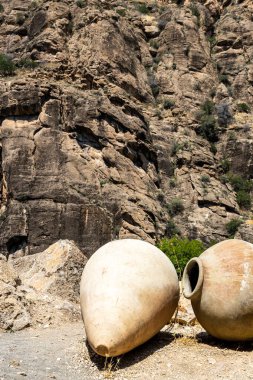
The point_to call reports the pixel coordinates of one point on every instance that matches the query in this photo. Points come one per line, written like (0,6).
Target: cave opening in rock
(16,243)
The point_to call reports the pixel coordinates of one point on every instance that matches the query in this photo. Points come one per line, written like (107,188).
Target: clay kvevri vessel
(129,291)
(220,285)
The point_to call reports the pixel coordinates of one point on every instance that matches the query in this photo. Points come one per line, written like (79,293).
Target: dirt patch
(181,352)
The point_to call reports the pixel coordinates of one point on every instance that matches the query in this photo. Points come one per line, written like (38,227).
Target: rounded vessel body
(220,285)
(129,291)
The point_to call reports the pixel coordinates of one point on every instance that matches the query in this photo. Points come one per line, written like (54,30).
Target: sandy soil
(181,353)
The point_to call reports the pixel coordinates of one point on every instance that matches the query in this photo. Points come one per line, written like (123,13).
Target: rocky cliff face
(124,120)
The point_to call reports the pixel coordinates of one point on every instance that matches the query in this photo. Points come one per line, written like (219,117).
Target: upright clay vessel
(220,285)
(129,291)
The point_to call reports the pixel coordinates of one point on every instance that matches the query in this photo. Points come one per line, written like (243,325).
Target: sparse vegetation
(142,8)
(232,226)
(242,187)
(1,8)
(239,183)
(223,78)
(154,85)
(224,115)
(171,229)
(205,179)
(121,12)
(81,3)
(20,18)
(243,199)
(243,107)
(175,207)
(208,127)
(225,165)
(212,41)
(27,63)
(7,67)
(154,44)
(197,86)
(213,148)
(180,251)
(231,136)
(173,182)
(195,12)
(168,104)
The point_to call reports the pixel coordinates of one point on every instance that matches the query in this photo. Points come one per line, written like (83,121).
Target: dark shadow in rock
(134,356)
(205,338)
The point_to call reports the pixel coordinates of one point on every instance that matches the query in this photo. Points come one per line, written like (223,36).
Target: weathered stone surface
(42,288)
(93,138)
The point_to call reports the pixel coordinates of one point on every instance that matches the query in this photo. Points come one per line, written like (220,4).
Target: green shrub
(175,206)
(243,199)
(171,229)
(180,251)
(121,12)
(223,78)
(239,183)
(176,147)
(233,226)
(142,8)
(208,127)
(7,67)
(81,3)
(168,104)
(225,164)
(1,8)
(205,179)
(207,107)
(243,107)
(27,63)
(154,44)
(212,41)
(213,148)
(173,182)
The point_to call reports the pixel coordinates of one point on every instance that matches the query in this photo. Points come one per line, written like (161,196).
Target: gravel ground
(62,353)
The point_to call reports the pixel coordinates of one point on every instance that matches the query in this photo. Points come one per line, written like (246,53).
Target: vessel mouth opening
(192,277)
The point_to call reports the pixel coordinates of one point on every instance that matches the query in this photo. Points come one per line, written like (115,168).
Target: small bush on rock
(142,8)
(7,67)
(233,226)
(243,107)
(180,251)
(27,63)
(171,229)
(175,206)
(1,8)
(168,104)
(243,199)
(81,3)
(208,127)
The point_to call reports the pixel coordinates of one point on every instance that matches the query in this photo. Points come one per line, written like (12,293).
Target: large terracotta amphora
(220,285)
(129,291)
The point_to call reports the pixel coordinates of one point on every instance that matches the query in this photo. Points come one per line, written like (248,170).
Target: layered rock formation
(41,289)
(130,109)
